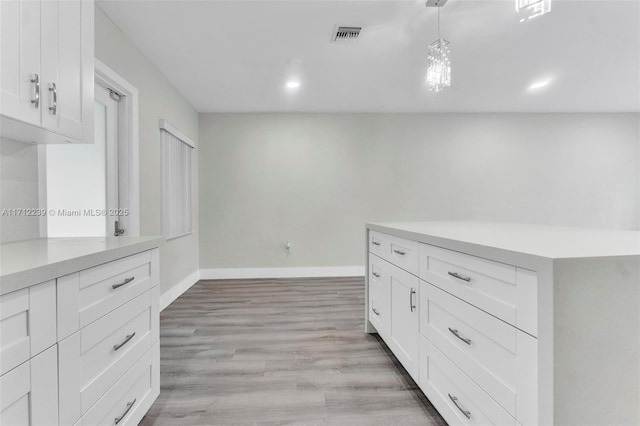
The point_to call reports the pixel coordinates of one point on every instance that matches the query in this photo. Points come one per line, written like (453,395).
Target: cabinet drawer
(27,324)
(398,251)
(504,291)
(92,293)
(29,392)
(94,358)
(130,398)
(378,243)
(456,397)
(484,347)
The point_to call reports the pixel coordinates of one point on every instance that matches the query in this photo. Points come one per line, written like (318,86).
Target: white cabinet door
(20,59)
(404,319)
(29,392)
(46,70)
(27,324)
(67,68)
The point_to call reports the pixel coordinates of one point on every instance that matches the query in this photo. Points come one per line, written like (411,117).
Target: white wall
(76,182)
(315,179)
(18,190)
(157,99)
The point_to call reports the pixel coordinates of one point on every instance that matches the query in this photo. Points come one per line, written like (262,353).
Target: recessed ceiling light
(293,84)
(539,85)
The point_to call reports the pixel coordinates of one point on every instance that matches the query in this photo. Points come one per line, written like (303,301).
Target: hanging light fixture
(439,69)
(529,9)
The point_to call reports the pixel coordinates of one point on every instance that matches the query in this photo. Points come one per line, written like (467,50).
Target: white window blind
(176,181)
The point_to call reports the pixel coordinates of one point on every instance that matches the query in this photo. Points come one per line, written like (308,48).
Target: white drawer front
(398,251)
(489,285)
(27,324)
(456,397)
(92,364)
(130,398)
(404,253)
(92,293)
(379,297)
(378,243)
(481,345)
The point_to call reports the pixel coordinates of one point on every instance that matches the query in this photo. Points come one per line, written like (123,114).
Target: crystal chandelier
(439,70)
(529,9)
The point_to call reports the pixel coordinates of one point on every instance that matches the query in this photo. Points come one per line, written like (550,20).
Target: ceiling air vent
(346,33)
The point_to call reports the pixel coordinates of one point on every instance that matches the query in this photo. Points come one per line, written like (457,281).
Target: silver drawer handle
(411,305)
(375,243)
(125,341)
(375,274)
(36,101)
(54,107)
(400,252)
(455,333)
(375,311)
(129,405)
(458,276)
(126,281)
(466,413)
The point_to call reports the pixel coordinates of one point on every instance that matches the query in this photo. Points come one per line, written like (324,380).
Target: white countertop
(549,242)
(25,263)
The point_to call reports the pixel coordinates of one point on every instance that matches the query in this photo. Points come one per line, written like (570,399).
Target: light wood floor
(273,352)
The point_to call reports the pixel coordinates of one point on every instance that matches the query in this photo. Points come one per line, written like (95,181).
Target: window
(176,181)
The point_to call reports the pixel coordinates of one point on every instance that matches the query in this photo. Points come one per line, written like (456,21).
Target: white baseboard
(174,292)
(299,272)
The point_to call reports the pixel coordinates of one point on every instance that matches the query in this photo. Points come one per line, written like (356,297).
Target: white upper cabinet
(47,70)
(20,60)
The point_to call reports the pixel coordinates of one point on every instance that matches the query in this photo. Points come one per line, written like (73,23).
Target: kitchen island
(509,323)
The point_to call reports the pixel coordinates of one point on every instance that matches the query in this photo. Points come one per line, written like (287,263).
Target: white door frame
(128,136)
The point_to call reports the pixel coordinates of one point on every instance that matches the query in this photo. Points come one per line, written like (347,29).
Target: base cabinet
(518,324)
(83,348)
(472,362)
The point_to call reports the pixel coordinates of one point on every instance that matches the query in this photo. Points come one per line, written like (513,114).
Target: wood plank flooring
(276,352)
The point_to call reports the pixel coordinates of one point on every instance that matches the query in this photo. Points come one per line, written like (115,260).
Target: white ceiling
(235,55)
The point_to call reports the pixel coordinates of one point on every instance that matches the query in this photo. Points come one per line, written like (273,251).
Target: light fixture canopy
(439,70)
(529,9)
